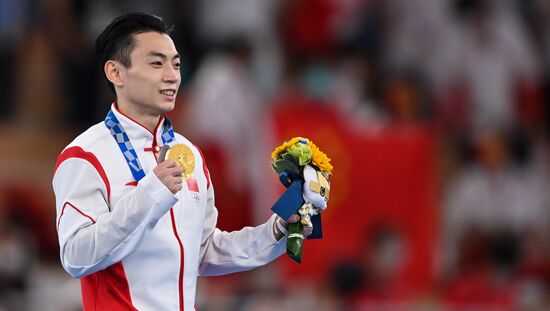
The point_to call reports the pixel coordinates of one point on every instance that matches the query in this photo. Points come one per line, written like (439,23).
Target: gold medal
(184,158)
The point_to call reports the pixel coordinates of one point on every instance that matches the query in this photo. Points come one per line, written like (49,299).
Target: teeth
(168,92)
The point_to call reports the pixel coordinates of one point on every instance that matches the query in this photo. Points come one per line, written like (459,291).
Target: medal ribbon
(120,136)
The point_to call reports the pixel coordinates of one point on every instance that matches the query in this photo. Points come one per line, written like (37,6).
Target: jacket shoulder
(92,138)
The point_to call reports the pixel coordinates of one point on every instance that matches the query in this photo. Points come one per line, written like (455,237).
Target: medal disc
(184,158)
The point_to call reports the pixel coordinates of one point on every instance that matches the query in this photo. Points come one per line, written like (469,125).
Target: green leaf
(290,157)
(281,165)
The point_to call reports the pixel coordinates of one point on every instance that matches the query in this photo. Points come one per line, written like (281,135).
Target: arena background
(435,114)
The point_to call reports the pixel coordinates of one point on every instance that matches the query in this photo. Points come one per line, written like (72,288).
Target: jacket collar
(139,135)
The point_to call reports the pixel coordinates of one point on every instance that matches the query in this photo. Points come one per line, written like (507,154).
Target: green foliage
(302,152)
(287,163)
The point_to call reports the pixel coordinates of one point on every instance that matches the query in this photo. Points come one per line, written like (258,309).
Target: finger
(176,171)
(294,218)
(175,189)
(169,163)
(308,231)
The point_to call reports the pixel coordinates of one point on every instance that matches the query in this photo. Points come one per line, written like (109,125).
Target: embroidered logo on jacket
(193,187)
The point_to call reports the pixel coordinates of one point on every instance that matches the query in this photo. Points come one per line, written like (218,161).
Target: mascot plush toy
(304,170)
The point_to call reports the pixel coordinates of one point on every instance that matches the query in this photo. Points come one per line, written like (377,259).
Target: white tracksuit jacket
(136,246)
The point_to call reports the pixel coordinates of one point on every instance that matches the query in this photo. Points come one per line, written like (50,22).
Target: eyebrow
(162,55)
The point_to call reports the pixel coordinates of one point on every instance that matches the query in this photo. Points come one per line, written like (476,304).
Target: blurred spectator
(496,56)
(487,274)
(371,67)
(415,33)
(375,281)
(220,21)
(16,258)
(355,86)
(306,27)
(383,262)
(13,24)
(405,98)
(226,113)
(78,73)
(493,209)
(23,201)
(502,189)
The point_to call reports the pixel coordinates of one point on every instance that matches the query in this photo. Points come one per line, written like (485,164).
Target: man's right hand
(170,175)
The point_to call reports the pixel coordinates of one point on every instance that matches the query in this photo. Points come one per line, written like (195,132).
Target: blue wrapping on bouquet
(292,200)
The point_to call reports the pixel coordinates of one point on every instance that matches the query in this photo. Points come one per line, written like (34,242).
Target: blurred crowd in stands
(450,98)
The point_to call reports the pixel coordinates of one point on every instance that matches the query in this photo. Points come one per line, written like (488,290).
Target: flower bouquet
(304,170)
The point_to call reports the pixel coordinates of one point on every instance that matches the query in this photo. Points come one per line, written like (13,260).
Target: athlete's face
(151,82)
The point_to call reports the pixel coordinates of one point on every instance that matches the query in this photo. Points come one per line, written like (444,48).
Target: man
(135,231)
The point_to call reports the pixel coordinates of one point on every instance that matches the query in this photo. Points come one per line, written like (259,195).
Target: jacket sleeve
(228,252)
(94,234)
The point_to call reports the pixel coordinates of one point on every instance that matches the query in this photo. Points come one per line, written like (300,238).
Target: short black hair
(116,41)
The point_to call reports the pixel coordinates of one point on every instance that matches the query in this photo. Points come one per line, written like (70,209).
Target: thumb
(162,153)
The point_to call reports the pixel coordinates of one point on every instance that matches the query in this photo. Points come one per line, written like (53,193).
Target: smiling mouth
(168,92)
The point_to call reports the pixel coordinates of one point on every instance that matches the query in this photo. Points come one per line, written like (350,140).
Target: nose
(171,75)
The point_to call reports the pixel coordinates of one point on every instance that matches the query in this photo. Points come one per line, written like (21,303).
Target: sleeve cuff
(158,192)
(270,224)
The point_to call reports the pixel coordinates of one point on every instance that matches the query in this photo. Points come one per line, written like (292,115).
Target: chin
(167,106)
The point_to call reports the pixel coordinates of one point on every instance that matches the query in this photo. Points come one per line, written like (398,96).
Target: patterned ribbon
(120,136)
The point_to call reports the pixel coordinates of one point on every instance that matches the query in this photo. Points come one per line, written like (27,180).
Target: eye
(156,64)
(177,66)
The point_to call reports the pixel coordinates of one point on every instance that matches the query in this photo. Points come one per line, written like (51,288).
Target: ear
(113,72)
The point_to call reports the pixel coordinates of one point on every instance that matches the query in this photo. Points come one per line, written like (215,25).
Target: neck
(148,120)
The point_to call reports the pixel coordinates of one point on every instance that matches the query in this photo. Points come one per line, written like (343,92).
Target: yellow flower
(285,146)
(318,158)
